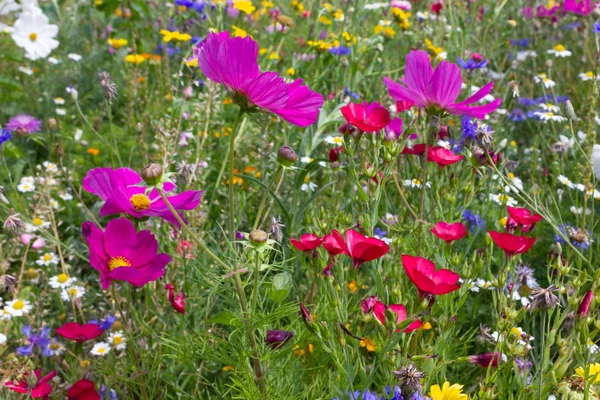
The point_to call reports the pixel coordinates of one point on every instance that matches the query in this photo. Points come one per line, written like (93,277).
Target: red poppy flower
(307,242)
(400,311)
(332,246)
(79,333)
(368,118)
(442,156)
(512,244)
(417,149)
(177,302)
(449,232)
(83,389)
(361,248)
(523,217)
(42,388)
(422,273)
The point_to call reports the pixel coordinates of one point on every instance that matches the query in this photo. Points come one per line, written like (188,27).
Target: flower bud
(258,237)
(286,156)
(570,110)
(305,314)
(584,306)
(152,173)
(277,338)
(52,124)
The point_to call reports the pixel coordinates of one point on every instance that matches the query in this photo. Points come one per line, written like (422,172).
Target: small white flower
(56,347)
(72,293)
(74,57)
(559,51)
(306,160)
(2,338)
(549,107)
(61,111)
(543,78)
(336,140)
(565,181)
(26,70)
(548,116)
(59,101)
(61,281)
(78,134)
(445,144)
(66,196)
(25,187)
(51,167)
(53,61)
(17,307)
(48,259)
(5,314)
(310,186)
(587,76)
(566,141)
(503,199)
(100,349)
(415,183)
(117,340)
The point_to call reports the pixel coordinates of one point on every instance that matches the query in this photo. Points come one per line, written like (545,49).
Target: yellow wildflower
(368,344)
(174,36)
(117,43)
(593,373)
(447,392)
(324,20)
(239,32)
(135,59)
(291,71)
(244,6)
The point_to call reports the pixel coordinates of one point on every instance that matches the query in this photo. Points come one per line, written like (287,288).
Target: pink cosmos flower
(437,90)
(367,117)
(121,195)
(449,232)
(393,131)
(583,7)
(122,254)
(233,63)
(23,124)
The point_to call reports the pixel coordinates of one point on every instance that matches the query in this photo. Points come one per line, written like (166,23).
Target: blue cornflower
(520,42)
(339,50)
(578,237)
(561,99)
(347,92)
(517,115)
(170,50)
(184,3)
(524,101)
(5,135)
(471,64)
(596,27)
(380,232)
(476,223)
(40,340)
(104,392)
(106,323)
(469,128)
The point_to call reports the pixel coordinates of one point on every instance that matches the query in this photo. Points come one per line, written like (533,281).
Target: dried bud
(286,156)
(13,223)
(152,173)
(570,110)
(285,20)
(410,378)
(52,124)
(543,298)
(584,306)
(258,237)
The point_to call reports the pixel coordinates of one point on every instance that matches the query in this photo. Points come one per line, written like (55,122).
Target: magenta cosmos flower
(23,124)
(437,90)
(233,63)
(118,189)
(122,254)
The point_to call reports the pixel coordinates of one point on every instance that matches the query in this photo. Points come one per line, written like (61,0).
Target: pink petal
(445,84)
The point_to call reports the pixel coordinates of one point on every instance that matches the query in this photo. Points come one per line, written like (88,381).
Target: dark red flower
(367,117)
(79,333)
(422,273)
(403,105)
(379,312)
(83,389)
(334,154)
(523,217)
(417,149)
(584,306)
(307,242)
(442,156)
(277,338)
(361,248)
(42,388)
(449,232)
(177,302)
(487,359)
(305,314)
(512,244)
(368,303)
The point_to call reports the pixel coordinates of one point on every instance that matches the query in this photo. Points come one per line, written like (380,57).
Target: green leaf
(280,287)
(226,318)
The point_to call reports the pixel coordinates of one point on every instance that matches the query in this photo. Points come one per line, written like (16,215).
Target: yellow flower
(351,285)
(274,56)
(244,6)
(426,326)
(239,32)
(229,368)
(401,17)
(175,36)
(135,59)
(93,151)
(296,5)
(324,20)
(192,63)
(117,43)
(502,221)
(593,372)
(291,71)
(435,50)
(447,392)
(389,32)
(368,344)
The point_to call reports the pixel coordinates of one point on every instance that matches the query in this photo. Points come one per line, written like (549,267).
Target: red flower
(584,306)
(307,242)
(368,118)
(368,303)
(442,156)
(79,333)
(400,311)
(417,149)
(42,388)
(177,302)
(403,105)
(361,248)
(449,232)
(523,217)
(334,154)
(305,314)
(332,246)
(487,359)
(422,273)
(512,244)
(83,389)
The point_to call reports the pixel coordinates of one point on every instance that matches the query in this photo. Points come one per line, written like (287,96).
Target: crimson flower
(177,302)
(512,244)
(417,149)
(83,389)
(332,246)
(442,156)
(277,338)
(79,333)
(523,217)
(379,312)
(488,359)
(368,303)
(307,242)
(367,117)
(422,273)
(361,248)
(378,308)
(403,105)
(449,232)
(42,388)
(305,313)
(584,306)
(400,311)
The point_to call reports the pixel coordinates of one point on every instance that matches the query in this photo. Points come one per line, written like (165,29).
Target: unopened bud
(152,173)
(570,111)
(258,237)
(286,156)
(52,124)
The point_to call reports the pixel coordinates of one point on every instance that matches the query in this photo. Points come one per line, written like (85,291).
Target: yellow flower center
(117,340)
(37,221)
(140,202)
(72,292)
(54,346)
(18,305)
(338,140)
(33,37)
(549,115)
(117,262)
(47,257)
(559,48)
(101,350)
(416,182)
(590,74)
(62,278)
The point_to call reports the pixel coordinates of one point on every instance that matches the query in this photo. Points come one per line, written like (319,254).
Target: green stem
(543,344)
(234,132)
(265,195)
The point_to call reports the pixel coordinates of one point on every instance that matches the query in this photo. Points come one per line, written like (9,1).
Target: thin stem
(265,195)
(234,132)
(23,262)
(543,344)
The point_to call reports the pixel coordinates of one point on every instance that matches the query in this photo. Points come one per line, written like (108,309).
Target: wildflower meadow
(255,199)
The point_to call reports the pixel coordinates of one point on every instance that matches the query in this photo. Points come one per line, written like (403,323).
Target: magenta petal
(144,249)
(418,71)
(445,84)
(119,237)
(142,275)
(401,93)
(478,112)
(268,91)
(302,107)
(480,94)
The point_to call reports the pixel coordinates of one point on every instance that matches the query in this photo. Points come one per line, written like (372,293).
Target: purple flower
(476,223)
(393,130)
(40,340)
(517,115)
(471,63)
(107,323)
(23,124)
(5,135)
(277,338)
(340,50)
(122,254)
(118,188)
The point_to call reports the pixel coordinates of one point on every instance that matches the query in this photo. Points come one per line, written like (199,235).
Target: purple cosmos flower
(40,340)
(121,254)
(233,63)
(118,189)
(437,90)
(393,131)
(23,124)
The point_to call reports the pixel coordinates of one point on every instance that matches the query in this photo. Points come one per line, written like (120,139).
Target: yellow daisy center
(117,340)
(47,257)
(33,37)
(416,182)
(72,292)
(117,262)
(590,74)
(549,115)
(62,278)
(101,350)
(559,47)
(140,202)
(18,305)
(37,221)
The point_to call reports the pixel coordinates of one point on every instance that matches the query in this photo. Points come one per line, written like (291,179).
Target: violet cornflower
(23,124)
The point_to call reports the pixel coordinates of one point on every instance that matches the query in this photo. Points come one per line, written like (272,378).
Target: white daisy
(549,107)
(47,259)
(72,293)
(61,281)
(336,140)
(74,57)
(32,32)
(587,76)
(25,187)
(56,347)
(53,61)
(548,116)
(66,196)
(306,160)
(310,186)
(503,199)
(117,340)
(18,308)
(5,314)
(415,183)
(26,70)
(515,183)
(51,167)
(543,78)
(100,349)
(61,111)
(2,338)
(565,181)
(559,51)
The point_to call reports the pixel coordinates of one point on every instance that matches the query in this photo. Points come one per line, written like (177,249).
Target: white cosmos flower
(33,33)
(8,6)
